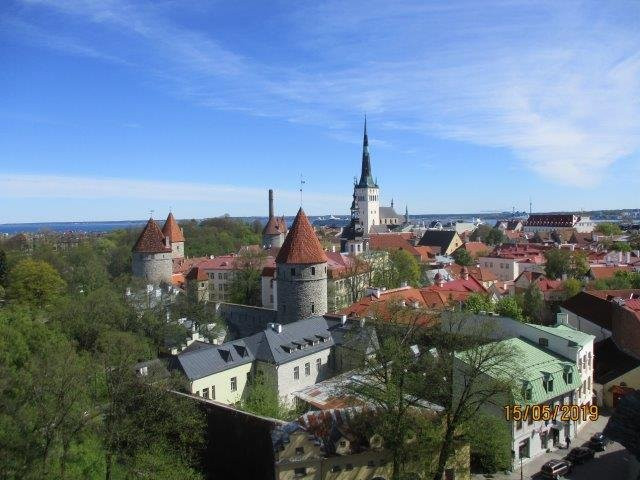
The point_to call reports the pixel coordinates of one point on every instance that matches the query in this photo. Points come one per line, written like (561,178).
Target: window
(313,270)
(519,425)
(343,443)
(296,373)
(220,276)
(299,450)
(205,392)
(213,392)
(371,464)
(568,376)
(248,377)
(313,307)
(300,472)
(220,287)
(293,272)
(349,466)
(336,468)
(548,383)
(307,369)
(544,342)
(318,364)
(234,384)
(198,392)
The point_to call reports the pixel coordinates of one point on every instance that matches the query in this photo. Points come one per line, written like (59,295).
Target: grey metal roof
(278,348)
(204,361)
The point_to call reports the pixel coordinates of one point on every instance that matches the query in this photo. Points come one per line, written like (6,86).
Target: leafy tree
(262,399)
(561,262)
(462,257)
(533,303)
(490,444)
(34,283)
(463,388)
(572,286)
(4,267)
(478,302)
(480,233)
(607,228)
(245,287)
(495,237)
(510,307)
(400,267)
(621,247)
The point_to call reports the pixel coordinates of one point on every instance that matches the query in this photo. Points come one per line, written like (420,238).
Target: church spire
(366,179)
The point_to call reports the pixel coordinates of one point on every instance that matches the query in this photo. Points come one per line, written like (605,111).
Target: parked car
(598,442)
(555,468)
(580,455)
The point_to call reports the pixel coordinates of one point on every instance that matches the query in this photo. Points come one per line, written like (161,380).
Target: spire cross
(151,213)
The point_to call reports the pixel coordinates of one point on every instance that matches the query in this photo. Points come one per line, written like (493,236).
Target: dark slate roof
(366,179)
(437,238)
(204,361)
(611,362)
(352,231)
(389,212)
(591,307)
(298,339)
(352,335)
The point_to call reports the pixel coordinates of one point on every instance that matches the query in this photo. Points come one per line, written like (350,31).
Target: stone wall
(302,291)
(244,320)
(155,268)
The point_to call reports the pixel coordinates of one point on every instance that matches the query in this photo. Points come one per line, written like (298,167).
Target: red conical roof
(172,230)
(151,240)
(301,245)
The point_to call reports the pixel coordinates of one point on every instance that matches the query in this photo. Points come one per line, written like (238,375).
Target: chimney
(270,203)
(362,322)
(333,248)
(276,327)
(562,319)
(403,303)
(343,319)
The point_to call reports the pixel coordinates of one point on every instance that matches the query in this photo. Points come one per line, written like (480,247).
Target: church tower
(301,278)
(366,190)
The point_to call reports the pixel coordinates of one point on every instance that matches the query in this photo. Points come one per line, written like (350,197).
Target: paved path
(615,463)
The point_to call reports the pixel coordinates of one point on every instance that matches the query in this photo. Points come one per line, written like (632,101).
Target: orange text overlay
(564,413)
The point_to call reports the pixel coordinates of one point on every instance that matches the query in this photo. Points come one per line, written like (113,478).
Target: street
(614,463)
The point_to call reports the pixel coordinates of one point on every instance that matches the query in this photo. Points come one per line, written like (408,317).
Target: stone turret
(152,256)
(173,231)
(301,275)
(275,230)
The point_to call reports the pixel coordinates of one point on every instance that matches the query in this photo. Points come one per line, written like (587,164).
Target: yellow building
(616,373)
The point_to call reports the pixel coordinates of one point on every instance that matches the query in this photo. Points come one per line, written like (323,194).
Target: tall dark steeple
(366,179)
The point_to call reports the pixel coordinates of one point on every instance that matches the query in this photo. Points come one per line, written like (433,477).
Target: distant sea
(103,227)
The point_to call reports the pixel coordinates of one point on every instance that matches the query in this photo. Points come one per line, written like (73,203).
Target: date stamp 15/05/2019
(563,413)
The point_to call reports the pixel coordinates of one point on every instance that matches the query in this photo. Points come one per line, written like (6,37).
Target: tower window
(313,270)
(293,272)
(313,307)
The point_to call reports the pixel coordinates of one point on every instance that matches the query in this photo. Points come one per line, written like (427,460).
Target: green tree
(245,287)
(480,233)
(34,283)
(4,267)
(262,399)
(490,444)
(509,306)
(533,303)
(495,237)
(621,247)
(572,286)
(558,262)
(478,302)
(462,257)
(607,228)
(400,267)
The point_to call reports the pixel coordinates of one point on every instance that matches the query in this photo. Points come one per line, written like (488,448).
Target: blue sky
(111,108)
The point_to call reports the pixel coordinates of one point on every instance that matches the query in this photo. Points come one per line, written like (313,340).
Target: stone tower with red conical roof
(301,278)
(172,230)
(152,257)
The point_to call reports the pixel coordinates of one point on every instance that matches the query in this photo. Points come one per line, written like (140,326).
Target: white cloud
(226,197)
(558,84)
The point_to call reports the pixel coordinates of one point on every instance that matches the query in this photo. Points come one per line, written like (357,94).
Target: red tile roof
(172,230)
(151,240)
(197,274)
(400,241)
(476,248)
(301,245)
(479,273)
(275,226)
(607,272)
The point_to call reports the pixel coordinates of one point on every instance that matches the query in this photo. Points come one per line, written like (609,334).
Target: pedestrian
(568,440)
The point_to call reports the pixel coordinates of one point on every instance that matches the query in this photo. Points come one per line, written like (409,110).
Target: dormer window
(527,391)
(544,342)
(567,376)
(547,383)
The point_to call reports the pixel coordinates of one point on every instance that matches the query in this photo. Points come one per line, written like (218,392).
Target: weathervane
(151,213)
(302,182)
